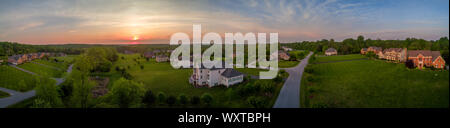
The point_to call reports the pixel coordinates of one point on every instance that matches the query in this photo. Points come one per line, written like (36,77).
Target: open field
(373,84)
(320,59)
(42,70)
(161,77)
(4,94)
(10,78)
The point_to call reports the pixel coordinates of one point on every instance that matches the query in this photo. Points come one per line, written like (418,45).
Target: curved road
(20,96)
(289,96)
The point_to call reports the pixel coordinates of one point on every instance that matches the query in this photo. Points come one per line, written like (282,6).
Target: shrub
(149,98)
(171,100)
(161,97)
(195,100)
(257,102)
(183,99)
(207,98)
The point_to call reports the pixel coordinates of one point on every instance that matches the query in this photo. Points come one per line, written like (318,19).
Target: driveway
(289,96)
(16,96)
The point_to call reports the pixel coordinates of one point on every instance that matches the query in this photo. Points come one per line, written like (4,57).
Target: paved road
(19,96)
(289,96)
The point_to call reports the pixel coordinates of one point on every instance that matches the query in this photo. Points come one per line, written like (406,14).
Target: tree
(126,93)
(207,99)
(40,103)
(149,98)
(161,97)
(183,99)
(171,100)
(371,55)
(47,91)
(195,100)
(82,89)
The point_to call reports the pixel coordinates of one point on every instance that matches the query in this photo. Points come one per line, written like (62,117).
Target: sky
(154,21)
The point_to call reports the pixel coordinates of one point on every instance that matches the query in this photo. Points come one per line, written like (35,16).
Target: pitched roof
(162,56)
(331,50)
(229,72)
(376,48)
(393,50)
(417,52)
(435,54)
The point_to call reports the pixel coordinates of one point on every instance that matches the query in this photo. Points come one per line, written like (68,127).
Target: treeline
(353,46)
(11,48)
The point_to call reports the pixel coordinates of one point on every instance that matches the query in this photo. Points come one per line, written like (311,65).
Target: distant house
(426,58)
(149,54)
(282,55)
(162,58)
(363,51)
(128,52)
(215,76)
(18,59)
(394,54)
(374,49)
(286,49)
(156,51)
(331,51)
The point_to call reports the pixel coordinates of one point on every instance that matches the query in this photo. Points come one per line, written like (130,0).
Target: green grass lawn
(161,77)
(251,71)
(4,94)
(287,64)
(338,58)
(41,70)
(10,78)
(373,84)
(59,65)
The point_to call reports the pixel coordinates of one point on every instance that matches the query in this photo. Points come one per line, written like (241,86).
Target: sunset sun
(135,37)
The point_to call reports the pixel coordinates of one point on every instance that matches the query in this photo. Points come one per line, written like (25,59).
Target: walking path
(16,96)
(289,96)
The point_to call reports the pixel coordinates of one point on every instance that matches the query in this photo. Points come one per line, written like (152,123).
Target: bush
(142,67)
(126,93)
(257,102)
(161,97)
(195,100)
(207,99)
(183,99)
(171,100)
(149,98)
(310,78)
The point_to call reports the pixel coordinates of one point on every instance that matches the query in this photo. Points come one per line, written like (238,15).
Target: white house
(286,48)
(215,76)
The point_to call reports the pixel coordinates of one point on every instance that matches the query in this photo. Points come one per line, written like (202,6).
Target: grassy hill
(11,77)
(372,83)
